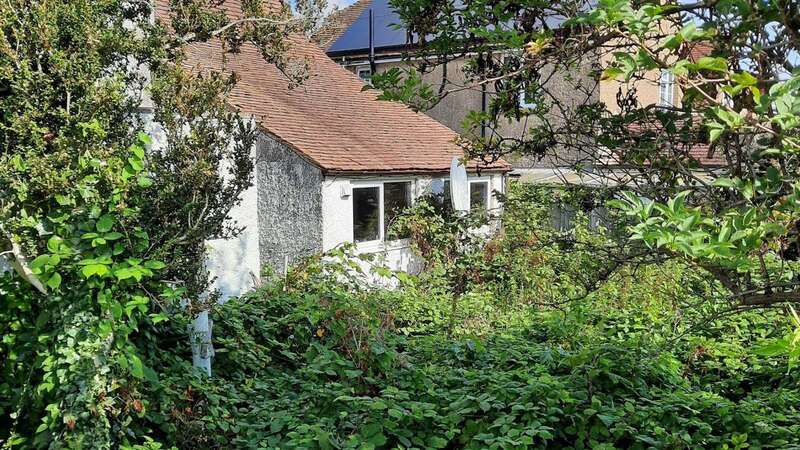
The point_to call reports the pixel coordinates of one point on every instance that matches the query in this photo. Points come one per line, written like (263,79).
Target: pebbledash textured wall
(289,205)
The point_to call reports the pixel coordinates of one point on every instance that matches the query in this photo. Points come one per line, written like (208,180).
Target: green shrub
(317,362)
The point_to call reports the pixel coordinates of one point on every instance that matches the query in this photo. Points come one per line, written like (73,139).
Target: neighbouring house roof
(339,22)
(696,50)
(689,141)
(347,31)
(355,37)
(329,119)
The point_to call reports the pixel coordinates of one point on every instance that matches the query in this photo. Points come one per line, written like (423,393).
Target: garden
(670,323)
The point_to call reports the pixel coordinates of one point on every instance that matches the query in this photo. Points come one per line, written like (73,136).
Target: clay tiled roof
(338,22)
(233,8)
(696,50)
(328,119)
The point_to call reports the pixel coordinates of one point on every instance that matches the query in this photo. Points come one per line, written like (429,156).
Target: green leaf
(105,223)
(136,164)
(64,200)
(774,348)
(137,151)
(744,79)
(606,419)
(160,317)
(378,440)
(144,138)
(712,63)
(39,262)
(611,73)
(729,118)
(724,182)
(627,65)
(144,181)
(437,442)
(154,265)
(137,368)
(53,244)
(55,281)
(94,269)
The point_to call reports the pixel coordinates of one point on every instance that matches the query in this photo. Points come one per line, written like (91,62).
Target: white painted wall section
(234,264)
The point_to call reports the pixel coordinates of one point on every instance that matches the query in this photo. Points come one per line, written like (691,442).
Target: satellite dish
(459,185)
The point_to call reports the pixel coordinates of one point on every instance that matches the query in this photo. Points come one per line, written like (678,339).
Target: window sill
(382,246)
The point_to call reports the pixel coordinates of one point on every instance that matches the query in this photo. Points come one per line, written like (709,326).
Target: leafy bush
(322,359)
(318,362)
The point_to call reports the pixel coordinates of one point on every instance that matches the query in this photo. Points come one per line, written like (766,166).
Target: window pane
(365,74)
(396,198)
(440,188)
(478,195)
(526,99)
(366,214)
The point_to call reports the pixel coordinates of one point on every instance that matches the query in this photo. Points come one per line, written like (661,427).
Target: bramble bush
(319,360)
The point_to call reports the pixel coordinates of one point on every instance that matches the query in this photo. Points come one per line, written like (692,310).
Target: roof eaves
(411,171)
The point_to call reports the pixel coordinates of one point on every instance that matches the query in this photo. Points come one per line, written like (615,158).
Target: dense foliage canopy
(319,361)
(739,104)
(509,342)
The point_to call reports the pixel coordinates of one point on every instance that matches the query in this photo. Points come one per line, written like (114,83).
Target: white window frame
(361,69)
(523,103)
(381,209)
(666,88)
(471,181)
(488,182)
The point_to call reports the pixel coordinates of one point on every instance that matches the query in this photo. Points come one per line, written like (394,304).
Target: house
(345,38)
(332,165)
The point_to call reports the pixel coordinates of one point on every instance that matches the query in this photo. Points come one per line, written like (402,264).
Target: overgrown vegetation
(711,175)
(319,361)
(527,339)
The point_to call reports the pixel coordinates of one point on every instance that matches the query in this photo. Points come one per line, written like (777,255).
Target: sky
(337,3)
(341,3)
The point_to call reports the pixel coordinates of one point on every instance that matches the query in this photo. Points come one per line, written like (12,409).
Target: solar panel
(356,37)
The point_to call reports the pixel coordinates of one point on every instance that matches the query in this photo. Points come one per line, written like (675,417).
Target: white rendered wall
(234,263)
(337,224)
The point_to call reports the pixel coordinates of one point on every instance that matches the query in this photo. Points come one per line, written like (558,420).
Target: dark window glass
(366,214)
(365,75)
(396,198)
(478,195)
(441,194)
(562,217)
(447,203)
